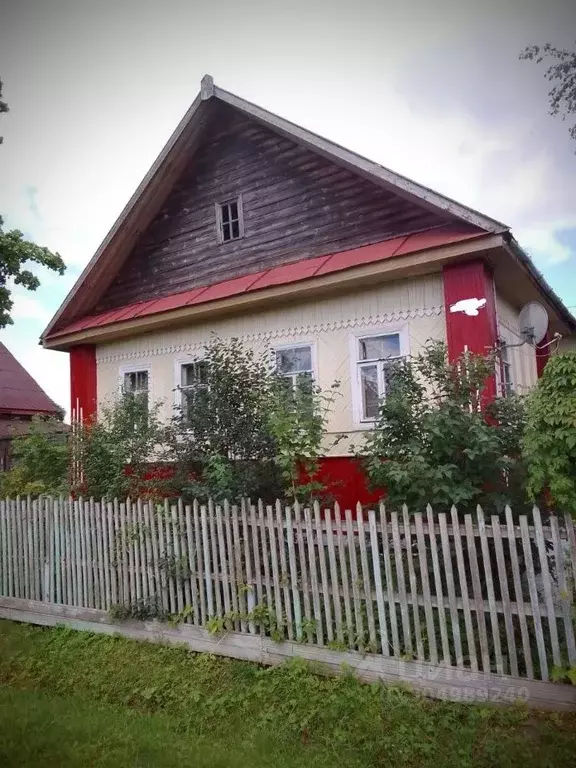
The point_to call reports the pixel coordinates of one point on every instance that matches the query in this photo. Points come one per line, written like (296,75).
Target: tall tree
(15,253)
(561,71)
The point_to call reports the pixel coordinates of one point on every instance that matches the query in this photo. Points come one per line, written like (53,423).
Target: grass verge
(105,700)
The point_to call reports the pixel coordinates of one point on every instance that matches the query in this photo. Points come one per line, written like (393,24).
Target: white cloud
(29,308)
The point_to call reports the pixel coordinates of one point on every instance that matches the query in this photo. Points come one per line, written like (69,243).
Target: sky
(434,91)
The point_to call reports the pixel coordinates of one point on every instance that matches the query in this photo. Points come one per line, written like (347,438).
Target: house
(21,398)
(250,226)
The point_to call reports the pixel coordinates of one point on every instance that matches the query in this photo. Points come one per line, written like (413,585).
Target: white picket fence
(490,595)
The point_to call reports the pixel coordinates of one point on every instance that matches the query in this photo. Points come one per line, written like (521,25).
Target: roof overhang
(396,267)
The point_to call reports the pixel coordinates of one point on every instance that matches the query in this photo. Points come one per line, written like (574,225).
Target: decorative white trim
(402,330)
(278,333)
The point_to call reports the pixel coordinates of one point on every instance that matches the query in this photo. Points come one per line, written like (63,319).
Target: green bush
(549,442)
(435,442)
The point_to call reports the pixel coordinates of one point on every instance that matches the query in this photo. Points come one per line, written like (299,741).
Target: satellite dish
(533,322)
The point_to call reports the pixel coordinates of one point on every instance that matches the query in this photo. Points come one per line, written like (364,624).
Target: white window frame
(506,363)
(220,223)
(135,368)
(297,345)
(178,376)
(356,364)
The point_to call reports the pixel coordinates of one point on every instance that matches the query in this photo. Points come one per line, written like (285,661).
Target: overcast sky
(433,90)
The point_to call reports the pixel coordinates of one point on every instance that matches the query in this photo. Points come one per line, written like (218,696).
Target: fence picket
(454,617)
(249,584)
(518,594)
(268,601)
(199,550)
(547,585)
(290,534)
(324,574)
(304,574)
(571,534)
(93,553)
(438,586)
(28,547)
(169,560)
(319,631)
(564,591)
(20,564)
(206,559)
(275,569)
(389,582)
(413,583)
(4,561)
(126,592)
(148,585)
(503,581)
(366,580)
(463,584)
(74,548)
(185,573)
(224,559)
(538,629)
(344,574)
(375,552)
(106,535)
(477,592)
(257,565)
(140,554)
(284,569)
(490,589)
(401,584)
(233,563)
(355,578)
(423,560)
(334,577)
(192,564)
(177,570)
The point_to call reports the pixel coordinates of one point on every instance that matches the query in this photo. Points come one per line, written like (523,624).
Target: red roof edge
(282,275)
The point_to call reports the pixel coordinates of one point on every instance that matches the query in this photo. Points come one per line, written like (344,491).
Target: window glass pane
(136,381)
(294,360)
(235,230)
(194,373)
(380,347)
(233,210)
(225,210)
(369,387)
(226,233)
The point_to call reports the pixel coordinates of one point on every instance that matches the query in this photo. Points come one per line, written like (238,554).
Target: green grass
(72,698)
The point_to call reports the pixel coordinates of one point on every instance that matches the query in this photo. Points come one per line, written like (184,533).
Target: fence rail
(486,594)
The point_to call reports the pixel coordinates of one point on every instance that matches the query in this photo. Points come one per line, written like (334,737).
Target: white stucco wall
(413,307)
(523,358)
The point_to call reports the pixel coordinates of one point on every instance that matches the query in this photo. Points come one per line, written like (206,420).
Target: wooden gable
(296,204)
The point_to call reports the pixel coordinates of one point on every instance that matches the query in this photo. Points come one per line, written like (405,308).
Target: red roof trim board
(282,275)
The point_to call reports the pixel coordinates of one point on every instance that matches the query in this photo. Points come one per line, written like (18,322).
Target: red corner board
(282,275)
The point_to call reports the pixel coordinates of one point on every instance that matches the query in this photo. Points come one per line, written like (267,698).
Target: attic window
(229,220)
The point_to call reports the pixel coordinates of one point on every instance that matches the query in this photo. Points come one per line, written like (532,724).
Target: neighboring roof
(182,145)
(19,393)
(281,275)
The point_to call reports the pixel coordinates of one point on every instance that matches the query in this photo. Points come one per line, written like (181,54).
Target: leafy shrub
(549,442)
(434,441)
(40,461)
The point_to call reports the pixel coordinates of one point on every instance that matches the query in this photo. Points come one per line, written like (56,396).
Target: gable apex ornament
(206,87)
(469,307)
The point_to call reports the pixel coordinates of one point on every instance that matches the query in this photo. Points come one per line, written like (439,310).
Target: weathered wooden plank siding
(296,205)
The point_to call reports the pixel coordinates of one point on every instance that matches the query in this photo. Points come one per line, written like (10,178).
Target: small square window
(229,220)
(136,388)
(294,364)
